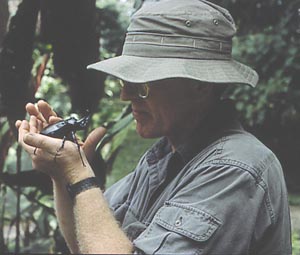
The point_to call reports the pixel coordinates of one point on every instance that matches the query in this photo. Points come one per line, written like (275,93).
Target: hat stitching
(179,36)
(206,13)
(180,46)
(198,43)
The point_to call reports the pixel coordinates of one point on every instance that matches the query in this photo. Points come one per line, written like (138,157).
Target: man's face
(171,107)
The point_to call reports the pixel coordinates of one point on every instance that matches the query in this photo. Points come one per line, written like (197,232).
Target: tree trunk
(4,15)
(70,26)
(16,61)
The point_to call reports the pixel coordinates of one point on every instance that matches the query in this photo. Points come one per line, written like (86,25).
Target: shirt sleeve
(117,195)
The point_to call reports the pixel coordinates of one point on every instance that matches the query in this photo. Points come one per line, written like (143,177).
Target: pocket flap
(188,221)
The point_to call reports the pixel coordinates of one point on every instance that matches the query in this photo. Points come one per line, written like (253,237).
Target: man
(208,186)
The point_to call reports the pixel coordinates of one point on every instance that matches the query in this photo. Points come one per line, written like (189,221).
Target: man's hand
(46,116)
(43,112)
(46,152)
(91,142)
(48,155)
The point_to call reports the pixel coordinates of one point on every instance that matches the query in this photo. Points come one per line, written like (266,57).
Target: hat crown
(179,38)
(194,18)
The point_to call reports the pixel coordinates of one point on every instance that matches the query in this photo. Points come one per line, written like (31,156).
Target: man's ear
(202,93)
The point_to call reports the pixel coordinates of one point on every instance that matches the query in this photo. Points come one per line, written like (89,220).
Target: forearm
(96,228)
(64,206)
(65,215)
(86,221)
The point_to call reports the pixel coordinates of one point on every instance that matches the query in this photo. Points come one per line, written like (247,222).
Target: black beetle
(65,129)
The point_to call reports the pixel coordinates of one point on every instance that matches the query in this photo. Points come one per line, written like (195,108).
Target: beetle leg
(74,139)
(61,147)
(78,146)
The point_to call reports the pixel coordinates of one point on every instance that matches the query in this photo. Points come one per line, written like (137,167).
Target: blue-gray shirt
(222,192)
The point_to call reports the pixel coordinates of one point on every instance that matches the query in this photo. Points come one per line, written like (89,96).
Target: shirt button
(216,22)
(178,222)
(188,23)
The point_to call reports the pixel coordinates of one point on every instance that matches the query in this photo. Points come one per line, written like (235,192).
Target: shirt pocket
(177,229)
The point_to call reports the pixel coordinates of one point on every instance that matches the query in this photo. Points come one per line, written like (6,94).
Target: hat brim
(144,69)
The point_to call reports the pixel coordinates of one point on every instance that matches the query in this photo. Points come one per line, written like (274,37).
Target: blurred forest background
(45,46)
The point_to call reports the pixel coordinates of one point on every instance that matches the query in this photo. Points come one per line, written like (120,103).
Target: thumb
(92,140)
(41,141)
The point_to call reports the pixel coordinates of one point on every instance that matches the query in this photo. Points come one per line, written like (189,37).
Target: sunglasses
(141,89)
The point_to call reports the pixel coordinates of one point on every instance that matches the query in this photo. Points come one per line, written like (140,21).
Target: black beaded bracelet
(83,185)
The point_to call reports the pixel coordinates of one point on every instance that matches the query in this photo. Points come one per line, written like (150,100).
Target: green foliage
(113,22)
(269,42)
(109,107)
(132,148)
(54,91)
(37,217)
(275,59)
(296,243)
(294,199)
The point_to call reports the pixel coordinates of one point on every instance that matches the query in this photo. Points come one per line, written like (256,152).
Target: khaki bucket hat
(179,38)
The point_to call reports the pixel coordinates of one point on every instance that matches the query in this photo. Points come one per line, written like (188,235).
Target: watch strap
(81,186)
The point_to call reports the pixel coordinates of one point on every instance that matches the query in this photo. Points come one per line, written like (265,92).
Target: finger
(45,109)
(18,124)
(32,110)
(40,125)
(33,124)
(23,130)
(92,140)
(54,119)
(43,142)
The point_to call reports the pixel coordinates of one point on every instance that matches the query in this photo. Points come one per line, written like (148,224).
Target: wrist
(79,175)
(75,175)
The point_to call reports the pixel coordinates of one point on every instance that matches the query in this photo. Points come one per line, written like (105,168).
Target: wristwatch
(83,185)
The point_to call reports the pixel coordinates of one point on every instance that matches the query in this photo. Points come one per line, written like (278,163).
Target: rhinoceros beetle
(65,129)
